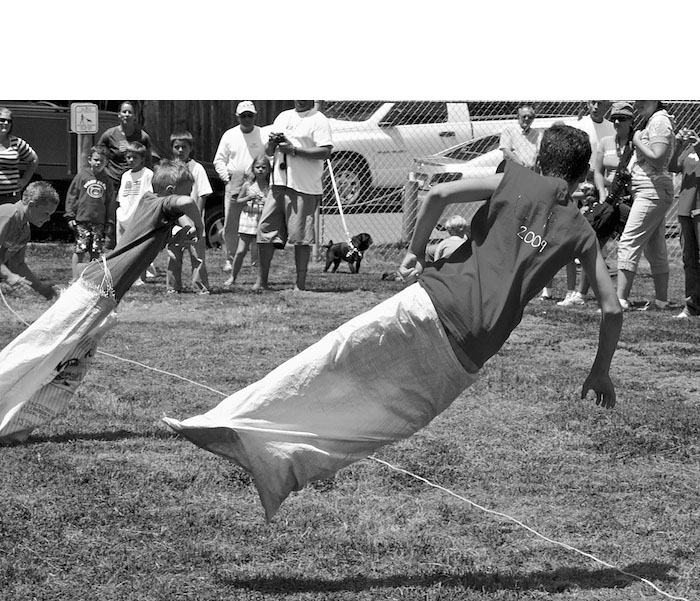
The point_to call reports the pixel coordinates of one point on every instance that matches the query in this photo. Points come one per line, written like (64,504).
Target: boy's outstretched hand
(603,387)
(411,267)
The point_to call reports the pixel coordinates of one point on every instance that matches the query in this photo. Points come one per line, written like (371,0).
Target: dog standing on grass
(351,252)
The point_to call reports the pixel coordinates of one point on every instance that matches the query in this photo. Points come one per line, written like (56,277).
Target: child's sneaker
(573,298)
(686,314)
(228,266)
(655,305)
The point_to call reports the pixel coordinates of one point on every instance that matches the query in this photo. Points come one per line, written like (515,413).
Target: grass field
(106,503)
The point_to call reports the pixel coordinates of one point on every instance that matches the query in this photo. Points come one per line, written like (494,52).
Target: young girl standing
(253,195)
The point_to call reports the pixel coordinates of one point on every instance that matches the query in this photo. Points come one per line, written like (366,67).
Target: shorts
(89,237)
(288,216)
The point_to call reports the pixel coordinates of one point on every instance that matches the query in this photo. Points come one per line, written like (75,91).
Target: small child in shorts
(91,208)
(253,196)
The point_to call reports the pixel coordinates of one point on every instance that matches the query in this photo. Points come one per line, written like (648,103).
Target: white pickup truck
(375,142)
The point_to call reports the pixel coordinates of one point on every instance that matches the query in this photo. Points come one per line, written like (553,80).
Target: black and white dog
(347,251)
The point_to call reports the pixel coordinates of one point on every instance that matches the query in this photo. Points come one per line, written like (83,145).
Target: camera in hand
(279,138)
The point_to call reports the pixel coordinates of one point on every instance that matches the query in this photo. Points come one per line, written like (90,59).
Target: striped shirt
(18,151)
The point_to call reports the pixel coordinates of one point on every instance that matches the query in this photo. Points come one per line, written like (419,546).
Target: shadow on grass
(111,436)
(550,581)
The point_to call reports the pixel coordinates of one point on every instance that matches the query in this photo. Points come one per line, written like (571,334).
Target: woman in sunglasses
(14,152)
(605,164)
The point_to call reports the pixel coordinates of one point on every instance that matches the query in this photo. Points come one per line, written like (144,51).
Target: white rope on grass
(412,475)
(528,528)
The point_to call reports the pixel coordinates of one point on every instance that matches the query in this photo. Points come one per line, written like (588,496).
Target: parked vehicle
(46,128)
(374,142)
(476,158)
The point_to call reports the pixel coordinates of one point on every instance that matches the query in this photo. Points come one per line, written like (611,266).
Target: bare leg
(302,254)
(265,253)
(625,279)
(661,286)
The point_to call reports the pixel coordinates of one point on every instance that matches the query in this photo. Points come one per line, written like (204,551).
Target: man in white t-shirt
(596,126)
(300,141)
(237,149)
(521,142)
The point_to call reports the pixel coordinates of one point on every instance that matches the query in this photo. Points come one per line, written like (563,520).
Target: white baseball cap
(245,106)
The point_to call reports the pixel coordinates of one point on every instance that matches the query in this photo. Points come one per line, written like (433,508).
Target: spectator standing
(652,195)
(610,151)
(300,142)
(14,151)
(91,208)
(521,142)
(254,194)
(135,182)
(596,126)
(686,160)
(117,139)
(182,145)
(39,201)
(237,149)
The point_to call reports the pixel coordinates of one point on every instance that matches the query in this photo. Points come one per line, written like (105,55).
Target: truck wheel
(352,178)
(214,227)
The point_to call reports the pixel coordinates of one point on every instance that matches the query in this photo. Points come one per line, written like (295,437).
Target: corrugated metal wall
(207,120)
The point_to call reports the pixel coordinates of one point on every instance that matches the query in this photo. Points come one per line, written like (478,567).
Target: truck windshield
(351,110)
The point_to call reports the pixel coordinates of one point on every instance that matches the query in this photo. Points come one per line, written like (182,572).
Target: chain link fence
(388,154)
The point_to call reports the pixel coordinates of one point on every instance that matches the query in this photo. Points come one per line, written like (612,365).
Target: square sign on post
(83,118)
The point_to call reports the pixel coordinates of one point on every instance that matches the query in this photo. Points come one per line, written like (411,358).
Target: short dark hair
(564,152)
(182,136)
(169,173)
(98,149)
(136,148)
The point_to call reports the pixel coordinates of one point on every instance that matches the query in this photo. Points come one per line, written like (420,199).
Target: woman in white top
(652,195)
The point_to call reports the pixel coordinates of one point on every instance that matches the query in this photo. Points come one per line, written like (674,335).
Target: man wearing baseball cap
(234,156)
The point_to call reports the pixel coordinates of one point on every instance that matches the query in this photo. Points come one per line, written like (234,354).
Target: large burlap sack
(41,368)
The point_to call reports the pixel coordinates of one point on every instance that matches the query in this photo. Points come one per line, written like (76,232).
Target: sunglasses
(620,118)
(3,120)
(247,115)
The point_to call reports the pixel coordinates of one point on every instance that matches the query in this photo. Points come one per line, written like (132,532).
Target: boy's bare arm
(17,273)
(191,217)
(471,190)
(598,379)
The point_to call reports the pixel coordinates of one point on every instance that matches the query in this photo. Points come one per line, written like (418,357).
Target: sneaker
(139,282)
(229,282)
(686,314)
(574,298)
(655,305)
(625,304)
(546,294)
(228,266)
(203,291)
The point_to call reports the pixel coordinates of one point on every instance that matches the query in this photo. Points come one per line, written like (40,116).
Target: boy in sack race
(387,373)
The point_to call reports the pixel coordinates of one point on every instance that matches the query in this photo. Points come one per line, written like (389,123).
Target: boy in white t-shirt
(182,145)
(134,184)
